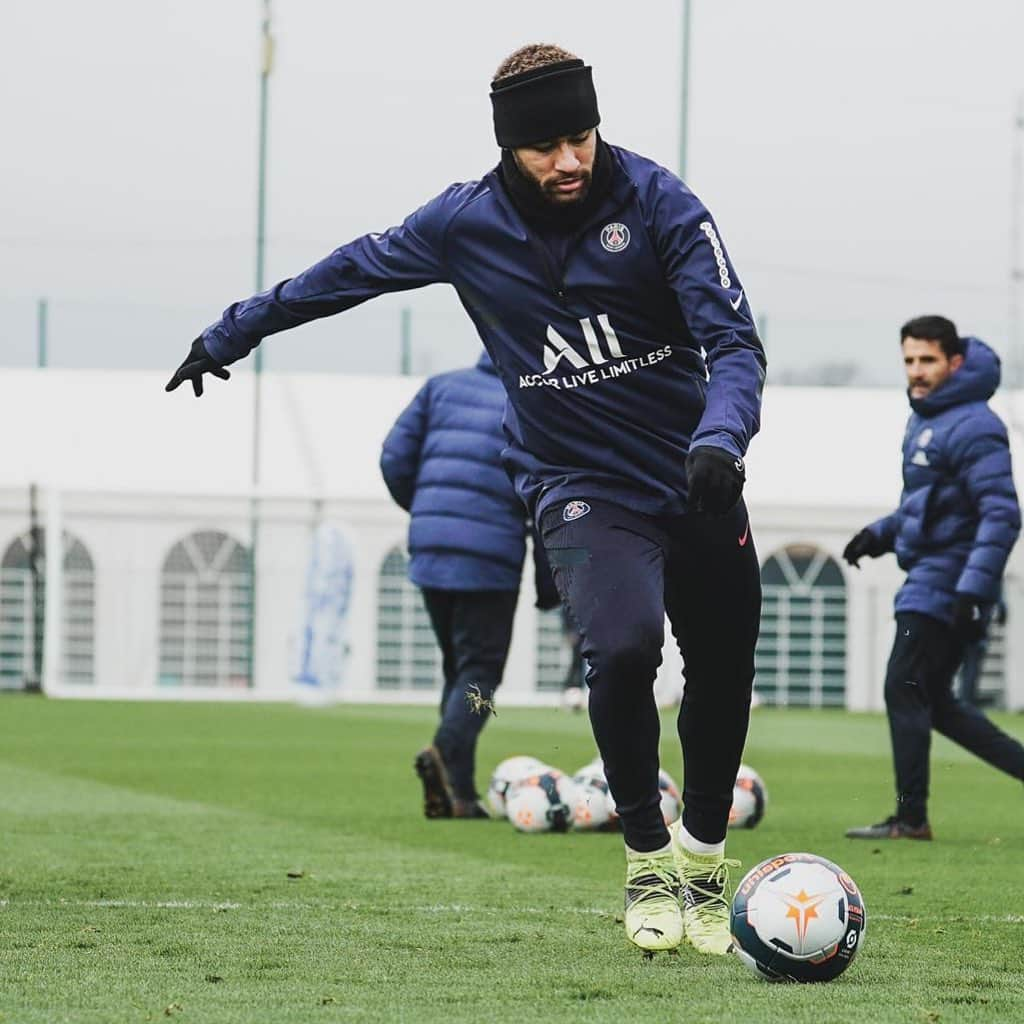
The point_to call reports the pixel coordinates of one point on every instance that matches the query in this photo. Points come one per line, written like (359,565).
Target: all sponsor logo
(566,367)
(614,237)
(556,348)
(574,510)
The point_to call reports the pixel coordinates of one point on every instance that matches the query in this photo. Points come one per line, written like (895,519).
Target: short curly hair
(534,55)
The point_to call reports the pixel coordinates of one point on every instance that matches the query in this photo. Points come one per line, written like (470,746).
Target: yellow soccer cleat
(653,918)
(704,881)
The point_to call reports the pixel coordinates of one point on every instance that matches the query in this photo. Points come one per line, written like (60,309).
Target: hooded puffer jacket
(958,516)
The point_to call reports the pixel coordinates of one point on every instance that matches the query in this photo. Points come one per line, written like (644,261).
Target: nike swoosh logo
(736,305)
(746,534)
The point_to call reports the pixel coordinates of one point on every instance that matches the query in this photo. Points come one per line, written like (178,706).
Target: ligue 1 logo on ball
(615,237)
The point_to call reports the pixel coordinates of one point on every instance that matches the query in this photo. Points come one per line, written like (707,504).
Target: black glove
(197,362)
(864,545)
(715,478)
(969,617)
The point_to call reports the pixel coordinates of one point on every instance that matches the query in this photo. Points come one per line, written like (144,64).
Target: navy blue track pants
(619,573)
(919,697)
(473,630)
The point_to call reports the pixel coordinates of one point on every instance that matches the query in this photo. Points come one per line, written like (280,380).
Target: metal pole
(37,574)
(53,639)
(261,237)
(1016,266)
(41,333)
(406,355)
(684,112)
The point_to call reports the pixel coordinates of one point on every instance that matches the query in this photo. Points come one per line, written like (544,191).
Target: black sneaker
(437,794)
(468,809)
(891,828)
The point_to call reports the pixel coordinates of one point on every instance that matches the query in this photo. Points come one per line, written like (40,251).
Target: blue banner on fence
(322,648)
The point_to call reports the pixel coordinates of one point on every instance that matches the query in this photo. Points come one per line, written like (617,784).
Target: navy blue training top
(617,360)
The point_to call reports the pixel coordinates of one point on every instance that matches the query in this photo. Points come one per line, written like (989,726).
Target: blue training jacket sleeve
(403,257)
(717,314)
(983,466)
(885,529)
(400,454)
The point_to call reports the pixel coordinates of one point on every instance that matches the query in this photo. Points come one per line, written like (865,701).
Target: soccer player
(467,539)
(601,288)
(957,520)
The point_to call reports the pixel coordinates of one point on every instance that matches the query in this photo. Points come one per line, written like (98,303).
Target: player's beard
(566,212)
(549,188)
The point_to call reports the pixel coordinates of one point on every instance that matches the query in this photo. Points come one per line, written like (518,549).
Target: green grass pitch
(270,863)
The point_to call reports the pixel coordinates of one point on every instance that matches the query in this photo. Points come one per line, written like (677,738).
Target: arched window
(407,653)
(205,612)
(23,603)
(801,653)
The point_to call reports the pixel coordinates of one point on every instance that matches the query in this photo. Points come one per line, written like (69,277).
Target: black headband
(545,103)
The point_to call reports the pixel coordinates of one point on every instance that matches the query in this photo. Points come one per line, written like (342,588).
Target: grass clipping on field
(478,703)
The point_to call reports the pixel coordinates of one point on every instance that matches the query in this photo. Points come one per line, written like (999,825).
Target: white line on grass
(430,908)
(990,918)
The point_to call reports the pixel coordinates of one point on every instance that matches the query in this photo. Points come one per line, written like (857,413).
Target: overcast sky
(857,158)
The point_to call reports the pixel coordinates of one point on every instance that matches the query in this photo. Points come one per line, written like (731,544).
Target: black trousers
(919,697)
(473,630)
(619,573)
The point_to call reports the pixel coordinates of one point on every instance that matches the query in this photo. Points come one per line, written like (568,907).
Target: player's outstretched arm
(196,363)
(407,256)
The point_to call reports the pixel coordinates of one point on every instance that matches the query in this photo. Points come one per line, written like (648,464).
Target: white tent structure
(152,495)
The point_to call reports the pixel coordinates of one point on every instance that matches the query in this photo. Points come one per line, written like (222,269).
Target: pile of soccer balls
(537,797)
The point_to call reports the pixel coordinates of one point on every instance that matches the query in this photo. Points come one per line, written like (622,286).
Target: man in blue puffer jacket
(441,462)
(957,520)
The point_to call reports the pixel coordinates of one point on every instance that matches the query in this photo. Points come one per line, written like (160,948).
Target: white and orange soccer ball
(511,770)
(542,802)
(590,812)
(594,807)
(749,799)
(798,917)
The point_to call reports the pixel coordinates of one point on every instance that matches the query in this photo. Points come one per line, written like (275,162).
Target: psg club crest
(615,237)
(574,510)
